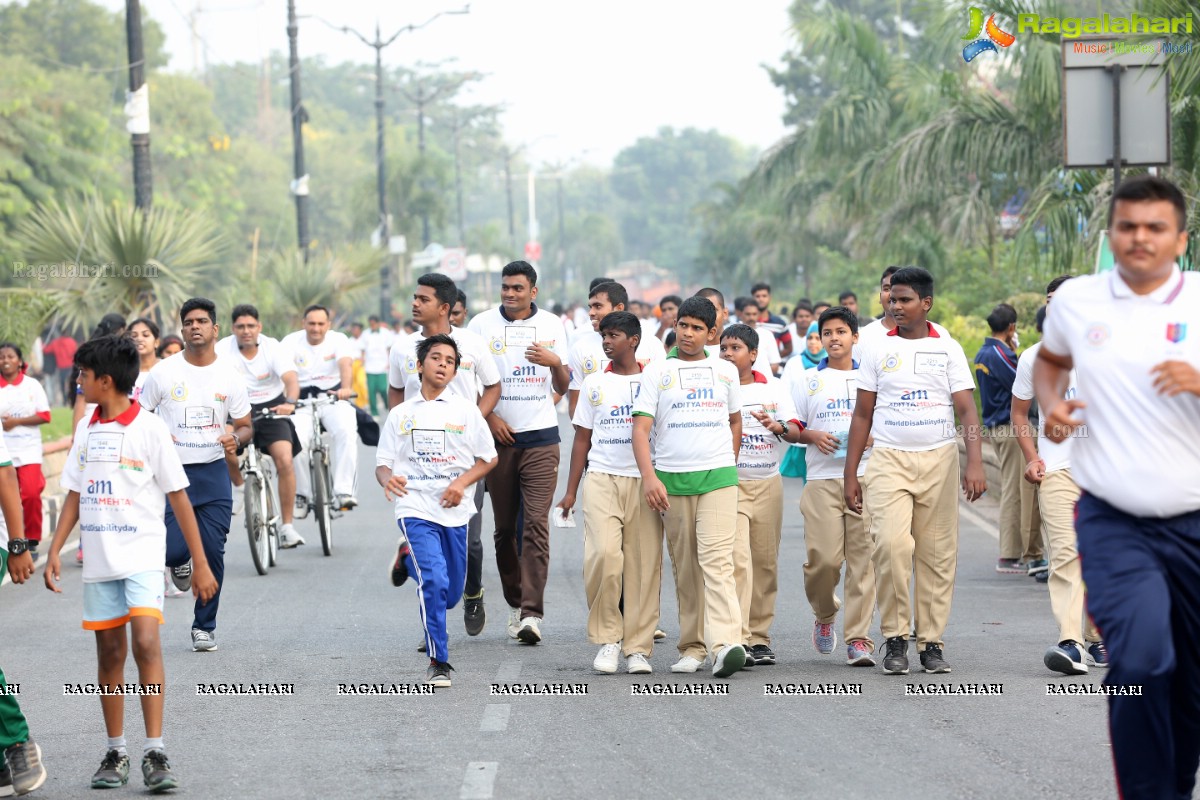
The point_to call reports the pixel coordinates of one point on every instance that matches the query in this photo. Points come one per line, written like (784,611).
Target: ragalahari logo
(983,44)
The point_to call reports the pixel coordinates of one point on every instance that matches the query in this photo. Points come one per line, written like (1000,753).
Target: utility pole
(137,108)
(385,283)
(385,270)
(512,224)
(299,117)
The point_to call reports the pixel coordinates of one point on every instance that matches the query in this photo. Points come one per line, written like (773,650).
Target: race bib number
(696,378)
(104,447)
(519,337)
(930,364)
(199,417)
(429,442)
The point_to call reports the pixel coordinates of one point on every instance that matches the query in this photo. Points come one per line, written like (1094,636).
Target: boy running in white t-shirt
(433,448)
(121,471)
(622,553)
(833,533)
(767,416)
(911,383)
(692,404)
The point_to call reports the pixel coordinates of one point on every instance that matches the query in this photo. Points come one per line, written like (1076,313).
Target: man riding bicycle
(269,373)
(323,360)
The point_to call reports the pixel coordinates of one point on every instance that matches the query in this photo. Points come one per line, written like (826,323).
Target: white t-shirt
(317,365)
(526,394)
(262,375)
(606,408)
(24,397)
(691,402)
(194,402)
(587,355)
(825,399)
(875,330)
(375,346)
(761,452)
(476,369)
(122,469)
(432,443)
(768,352)
(1055,456)
(1140,452)
(913,380)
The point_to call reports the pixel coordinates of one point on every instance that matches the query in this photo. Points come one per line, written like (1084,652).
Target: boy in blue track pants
(433,448)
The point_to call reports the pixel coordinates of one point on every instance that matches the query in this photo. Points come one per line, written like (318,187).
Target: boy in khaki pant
(911,383)
(833,533)
(622,552)
(692,404)
(767,415)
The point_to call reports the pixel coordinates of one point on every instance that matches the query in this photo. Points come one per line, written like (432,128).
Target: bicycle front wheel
(256,523)
(322,499)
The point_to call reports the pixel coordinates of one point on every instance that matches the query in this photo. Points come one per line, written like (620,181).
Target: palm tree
(114,257)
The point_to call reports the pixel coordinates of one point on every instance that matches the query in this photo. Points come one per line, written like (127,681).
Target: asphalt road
(318,622)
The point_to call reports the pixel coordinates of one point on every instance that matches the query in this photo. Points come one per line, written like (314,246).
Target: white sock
(152,744)
(117,743)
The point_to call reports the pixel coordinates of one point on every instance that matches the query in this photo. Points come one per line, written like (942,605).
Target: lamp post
(379,43)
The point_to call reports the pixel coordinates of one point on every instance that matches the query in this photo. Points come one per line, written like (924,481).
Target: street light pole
(379,43)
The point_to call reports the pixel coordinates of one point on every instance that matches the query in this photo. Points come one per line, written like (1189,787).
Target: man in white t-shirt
(1048,467)
(1132,337)
(476,380)
(375,342)
(834,534)
(269,374)
(324,361)
(195,392)
(529,346)
(587,351)
(911,383)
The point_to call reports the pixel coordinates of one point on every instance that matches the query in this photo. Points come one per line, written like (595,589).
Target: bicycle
(321,479)
(261,510)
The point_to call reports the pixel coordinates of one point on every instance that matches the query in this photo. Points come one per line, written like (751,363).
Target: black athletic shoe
(895,660)
(763,655)
(473,614)
(932,661)
(438,674)
(156,772)
(399,570)
(113,772)
(750,662)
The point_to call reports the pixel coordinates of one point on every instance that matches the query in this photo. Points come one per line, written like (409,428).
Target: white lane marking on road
(479,781)
(509,672)
(495,717)
(986,525)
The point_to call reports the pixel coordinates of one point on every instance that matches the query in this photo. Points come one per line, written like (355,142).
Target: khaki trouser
(756,555)
(1057,495)
(913,505)
(834,534)
(700,533)
(622,554)
(1020,525)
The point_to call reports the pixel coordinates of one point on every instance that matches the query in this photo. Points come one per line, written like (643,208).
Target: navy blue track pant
(1143,585)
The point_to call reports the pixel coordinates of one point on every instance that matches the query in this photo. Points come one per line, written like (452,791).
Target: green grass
(58,426)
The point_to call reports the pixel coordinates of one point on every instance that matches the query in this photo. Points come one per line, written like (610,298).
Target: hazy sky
(579,80)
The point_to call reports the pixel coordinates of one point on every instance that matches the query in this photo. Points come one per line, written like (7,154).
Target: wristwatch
(291,401)
(783,433)
(17,546)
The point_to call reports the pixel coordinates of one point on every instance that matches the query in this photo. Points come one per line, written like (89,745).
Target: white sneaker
(729,660)
(606,659)
(637,664)
(687,664)
(239,499)
(530,631)
(514,622)
(289,537)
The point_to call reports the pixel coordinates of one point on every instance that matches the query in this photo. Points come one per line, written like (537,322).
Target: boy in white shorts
(121,471)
